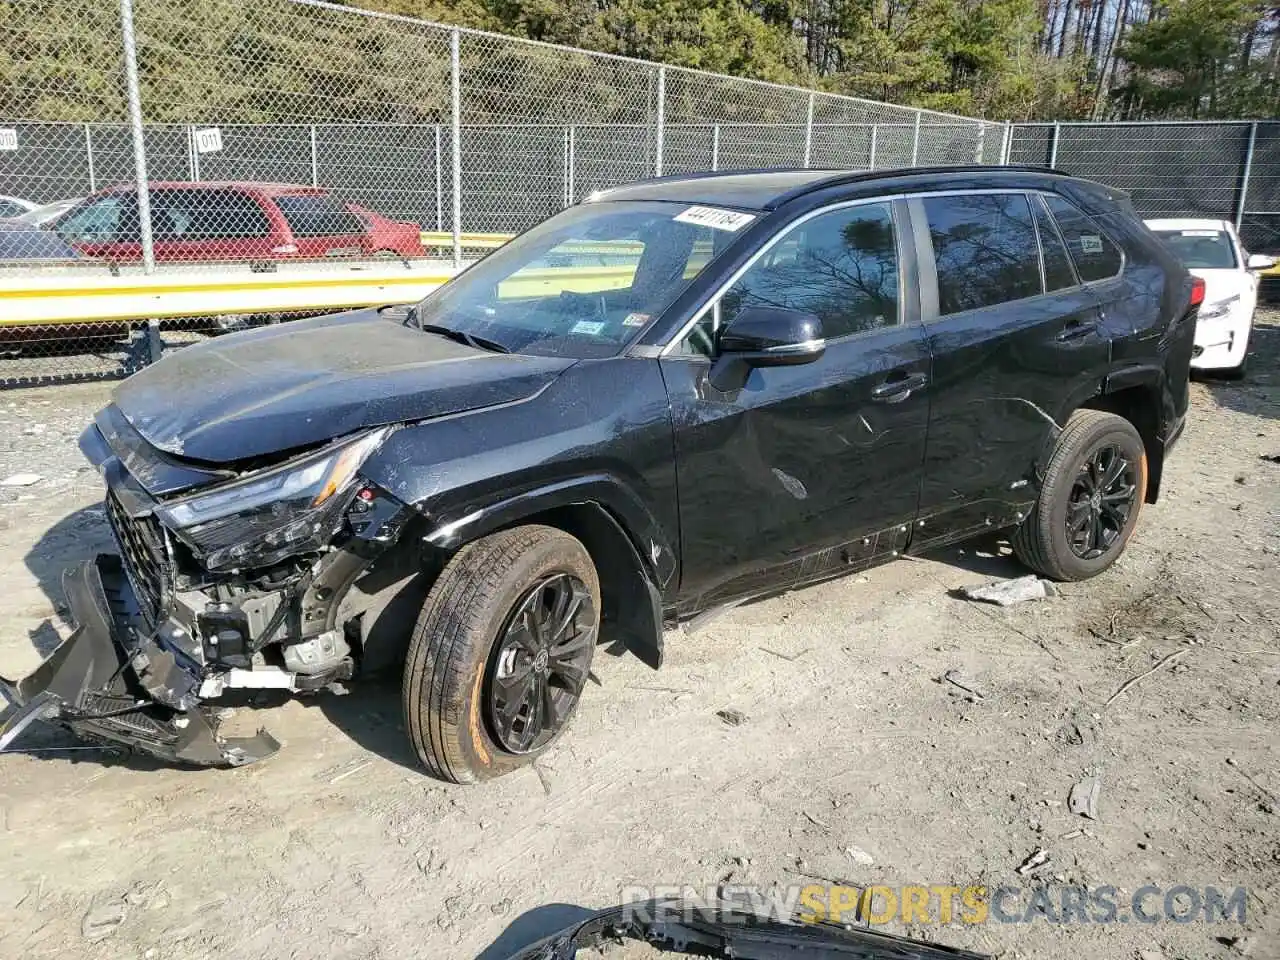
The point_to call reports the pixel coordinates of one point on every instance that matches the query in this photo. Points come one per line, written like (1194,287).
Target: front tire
(1089,503)
(501,652)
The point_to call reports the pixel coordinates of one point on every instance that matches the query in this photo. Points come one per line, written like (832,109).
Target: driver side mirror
(765,337)
(1259,261)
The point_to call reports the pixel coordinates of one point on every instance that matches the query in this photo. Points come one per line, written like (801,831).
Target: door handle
(898,387)
(1076,330)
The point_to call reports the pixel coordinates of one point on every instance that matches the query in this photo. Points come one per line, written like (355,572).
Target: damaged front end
(225,581)
(109,682)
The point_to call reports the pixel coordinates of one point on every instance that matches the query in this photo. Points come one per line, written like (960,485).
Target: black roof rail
(866,176)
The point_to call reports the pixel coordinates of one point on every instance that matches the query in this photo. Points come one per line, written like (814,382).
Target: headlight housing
(1219,308)
(288,509)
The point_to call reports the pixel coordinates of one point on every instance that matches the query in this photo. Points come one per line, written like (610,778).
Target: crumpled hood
(297,384)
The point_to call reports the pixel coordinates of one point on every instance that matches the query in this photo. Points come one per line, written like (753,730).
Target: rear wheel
(1089,502)
(501,653)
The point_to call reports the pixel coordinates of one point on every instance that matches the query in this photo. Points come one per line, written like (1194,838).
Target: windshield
(587,281)
(1200,249)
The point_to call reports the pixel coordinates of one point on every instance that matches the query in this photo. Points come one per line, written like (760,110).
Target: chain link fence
(1227,170)
(157,137)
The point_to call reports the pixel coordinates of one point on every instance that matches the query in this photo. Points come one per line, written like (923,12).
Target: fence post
(715,147)
(875,130)
(980,147)
(1244,177)
(135,127)
(439,184)
(1053,147)
(455,87)
(1006,147)
(808,132)
(88,158)
(573,161)
(660,121)
(193,156)
(915,141)
(315,160)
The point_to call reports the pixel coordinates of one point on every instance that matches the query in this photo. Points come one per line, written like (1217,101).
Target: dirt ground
(340,848)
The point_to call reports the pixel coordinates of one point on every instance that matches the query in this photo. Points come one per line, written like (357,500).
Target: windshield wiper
(461,336)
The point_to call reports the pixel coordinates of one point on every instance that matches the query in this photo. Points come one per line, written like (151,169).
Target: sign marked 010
(8,138)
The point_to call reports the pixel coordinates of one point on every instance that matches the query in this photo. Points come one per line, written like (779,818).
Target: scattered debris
(1239,945)
(1005,593)
(1038,859)
(101,922)
(1160,664)
(1083,799)
(860,856)
(955,678)
(734,718)
(814,820)
(21,480)
(34,430)
(790,658)
(1270,457)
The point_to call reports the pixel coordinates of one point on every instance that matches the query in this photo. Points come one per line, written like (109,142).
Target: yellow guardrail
(71,297)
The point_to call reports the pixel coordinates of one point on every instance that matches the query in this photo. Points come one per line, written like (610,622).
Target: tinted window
(112,219)
(1058,272)
(985,248)
(841,266)
(10,209)
(1095,255)
(206,215)
(310,215)
(1200,249)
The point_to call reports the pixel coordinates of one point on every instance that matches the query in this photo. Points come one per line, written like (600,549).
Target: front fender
(450,527)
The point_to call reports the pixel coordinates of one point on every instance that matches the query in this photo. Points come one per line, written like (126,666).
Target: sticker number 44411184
(716,219)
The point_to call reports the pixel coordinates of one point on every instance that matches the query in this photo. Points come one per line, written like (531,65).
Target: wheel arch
(1138,400)
(634,558)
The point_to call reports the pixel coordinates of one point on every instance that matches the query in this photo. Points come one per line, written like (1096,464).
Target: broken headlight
(288,509)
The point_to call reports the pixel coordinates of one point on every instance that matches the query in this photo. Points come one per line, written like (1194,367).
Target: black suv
(674,397)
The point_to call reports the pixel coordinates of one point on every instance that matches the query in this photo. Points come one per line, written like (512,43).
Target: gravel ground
(339,847)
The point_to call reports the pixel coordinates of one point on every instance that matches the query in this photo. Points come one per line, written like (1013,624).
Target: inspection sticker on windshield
(588,326)
(1091,243)
(635,319)
(730,220)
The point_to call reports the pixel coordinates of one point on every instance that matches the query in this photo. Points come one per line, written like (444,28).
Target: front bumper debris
(105,682)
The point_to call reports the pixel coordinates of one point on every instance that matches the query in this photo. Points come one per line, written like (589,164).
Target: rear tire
(1084,517)
(473,640)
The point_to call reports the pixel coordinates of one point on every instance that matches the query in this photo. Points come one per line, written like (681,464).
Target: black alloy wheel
(1102,497)
(540,665)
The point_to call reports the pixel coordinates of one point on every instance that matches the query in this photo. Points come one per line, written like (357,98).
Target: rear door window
(1095,255)
(313,215)
(207,215)
(984,245)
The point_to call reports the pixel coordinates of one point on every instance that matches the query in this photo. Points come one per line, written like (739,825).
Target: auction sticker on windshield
(714,218)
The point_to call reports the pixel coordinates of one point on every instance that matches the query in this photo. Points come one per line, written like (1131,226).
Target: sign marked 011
(208,140)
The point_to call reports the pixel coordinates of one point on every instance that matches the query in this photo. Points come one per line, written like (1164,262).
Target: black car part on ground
(723,930)
(109,682)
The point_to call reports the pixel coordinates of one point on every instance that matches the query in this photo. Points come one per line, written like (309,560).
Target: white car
(39,216)
(1211,250)
(14,206)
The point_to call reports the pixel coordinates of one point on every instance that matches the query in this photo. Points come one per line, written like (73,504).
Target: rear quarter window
(1095,255)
